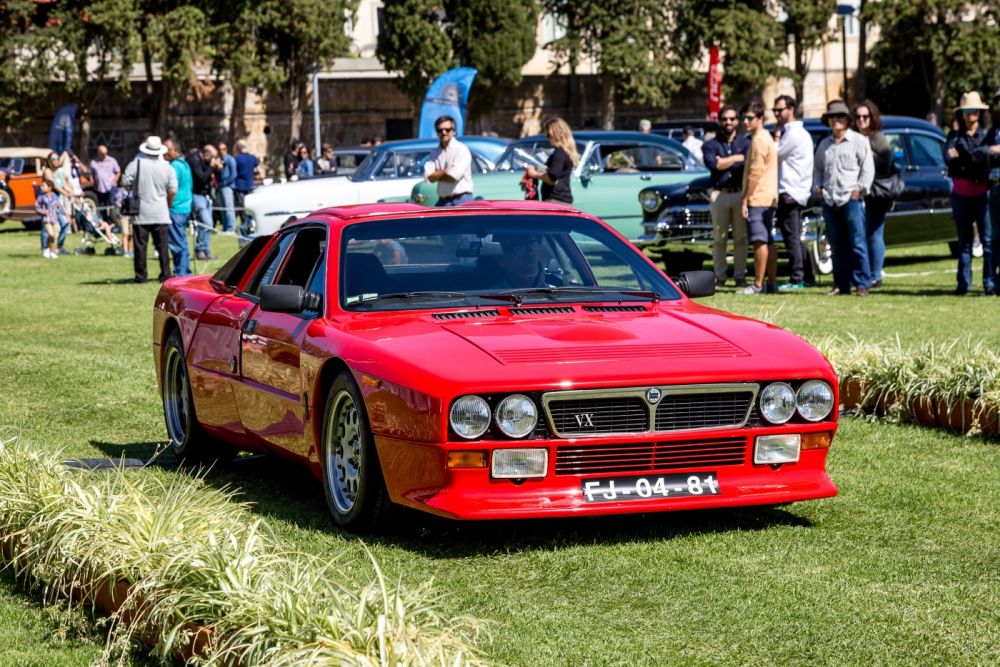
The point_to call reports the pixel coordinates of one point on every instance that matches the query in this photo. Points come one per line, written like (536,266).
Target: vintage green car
(613,168)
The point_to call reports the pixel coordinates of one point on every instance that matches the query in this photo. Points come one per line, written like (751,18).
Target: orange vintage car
(20,173)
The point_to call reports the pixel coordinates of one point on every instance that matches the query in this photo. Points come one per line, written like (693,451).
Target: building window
(551,29)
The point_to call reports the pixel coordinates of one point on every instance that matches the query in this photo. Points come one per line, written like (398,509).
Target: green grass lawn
(902,568)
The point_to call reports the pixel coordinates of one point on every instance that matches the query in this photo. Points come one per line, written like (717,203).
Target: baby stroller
(89,223)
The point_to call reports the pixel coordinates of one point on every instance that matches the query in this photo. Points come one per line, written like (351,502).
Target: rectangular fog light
(519,463)
(775,449)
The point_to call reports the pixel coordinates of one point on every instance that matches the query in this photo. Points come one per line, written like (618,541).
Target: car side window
(270,266)
(388,167)
(897,144)
(303,265)
(926,151)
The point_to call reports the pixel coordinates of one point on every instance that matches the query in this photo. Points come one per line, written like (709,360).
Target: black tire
(352,474)
(188,440)
(6,202)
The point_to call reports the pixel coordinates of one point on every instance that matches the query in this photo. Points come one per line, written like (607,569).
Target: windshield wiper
(572,291)
(365,298)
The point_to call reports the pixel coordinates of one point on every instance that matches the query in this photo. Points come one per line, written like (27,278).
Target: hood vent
(466,314)
(615,309)
(542,310)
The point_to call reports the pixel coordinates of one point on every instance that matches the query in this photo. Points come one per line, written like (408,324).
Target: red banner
(714,84)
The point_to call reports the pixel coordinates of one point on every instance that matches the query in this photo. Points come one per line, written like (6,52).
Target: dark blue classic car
(922,214)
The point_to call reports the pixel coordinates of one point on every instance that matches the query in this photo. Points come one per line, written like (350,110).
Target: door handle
(645,177)
(250,326)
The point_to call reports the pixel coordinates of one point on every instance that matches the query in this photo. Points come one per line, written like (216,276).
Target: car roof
(601,136)
(24,152)
(360,212)
(406,144)
(888,123)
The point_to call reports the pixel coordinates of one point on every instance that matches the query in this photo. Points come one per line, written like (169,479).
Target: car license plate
(612,489)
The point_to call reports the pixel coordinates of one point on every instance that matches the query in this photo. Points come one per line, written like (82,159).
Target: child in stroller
(94,230)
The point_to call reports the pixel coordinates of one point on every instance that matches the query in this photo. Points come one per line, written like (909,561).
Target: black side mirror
(282,298)
(696,283)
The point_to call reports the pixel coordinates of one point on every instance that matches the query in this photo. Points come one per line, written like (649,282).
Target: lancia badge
(653,395)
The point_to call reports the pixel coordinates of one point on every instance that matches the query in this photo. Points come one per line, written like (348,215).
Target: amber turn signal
(819,440)
(467,459)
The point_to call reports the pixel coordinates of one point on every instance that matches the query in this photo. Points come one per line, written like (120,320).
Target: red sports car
(489,361)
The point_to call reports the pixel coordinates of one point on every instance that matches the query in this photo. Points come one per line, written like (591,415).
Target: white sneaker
(45,253)
(977,249)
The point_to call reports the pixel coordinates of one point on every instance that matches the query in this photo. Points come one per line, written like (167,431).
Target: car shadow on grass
(277,489)
(111,281)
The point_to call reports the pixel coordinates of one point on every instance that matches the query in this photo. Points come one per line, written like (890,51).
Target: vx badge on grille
(653,395)
(585,419)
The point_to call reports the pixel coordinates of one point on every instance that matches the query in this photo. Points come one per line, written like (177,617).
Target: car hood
(670,344)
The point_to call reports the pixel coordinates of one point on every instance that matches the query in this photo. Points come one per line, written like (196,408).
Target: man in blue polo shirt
(724,156)
(180,209)
(247,165)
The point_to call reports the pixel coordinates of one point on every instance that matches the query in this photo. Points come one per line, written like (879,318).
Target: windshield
(475,260)
(532,152)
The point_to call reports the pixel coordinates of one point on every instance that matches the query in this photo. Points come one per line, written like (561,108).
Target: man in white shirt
(449,165)
(795,174)
(692,143)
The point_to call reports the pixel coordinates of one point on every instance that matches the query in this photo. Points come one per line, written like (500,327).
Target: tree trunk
(147,62)
(862,53)
(163,106)
(608,102)
(84,145)
(296,98)
(801,70)
(237,117)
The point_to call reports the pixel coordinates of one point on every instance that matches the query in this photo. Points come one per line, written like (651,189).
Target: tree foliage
(939,47)
(23,75)
(807,29)
(422,39)
(629,40)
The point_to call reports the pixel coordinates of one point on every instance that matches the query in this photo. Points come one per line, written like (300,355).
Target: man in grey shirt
(843,170)
(157,185)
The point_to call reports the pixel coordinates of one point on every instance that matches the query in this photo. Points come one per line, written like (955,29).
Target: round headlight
(470,416)
(777,402)
(814,400)
(516,416)
(650,200)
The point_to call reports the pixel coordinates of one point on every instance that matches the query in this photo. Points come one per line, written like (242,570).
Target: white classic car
(390,171)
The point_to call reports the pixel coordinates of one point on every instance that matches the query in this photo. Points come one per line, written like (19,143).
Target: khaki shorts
(124,224)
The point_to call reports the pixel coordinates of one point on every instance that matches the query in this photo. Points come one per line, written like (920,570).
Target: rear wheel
(188,439)
(6,201)
(352,475)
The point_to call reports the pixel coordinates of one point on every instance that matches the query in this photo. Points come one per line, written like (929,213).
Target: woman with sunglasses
(868,121)
(967,155)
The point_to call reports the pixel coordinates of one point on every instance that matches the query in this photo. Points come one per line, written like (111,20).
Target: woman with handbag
(888,185)
(555,177)
(967,154)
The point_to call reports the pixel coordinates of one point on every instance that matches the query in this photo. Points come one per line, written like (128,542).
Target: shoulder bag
(130,206)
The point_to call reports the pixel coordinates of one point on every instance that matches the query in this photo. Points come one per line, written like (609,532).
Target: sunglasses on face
(840,119)
(749,116)
(445,130)
(777,110)
(975,111)
(862,116)
(729,119)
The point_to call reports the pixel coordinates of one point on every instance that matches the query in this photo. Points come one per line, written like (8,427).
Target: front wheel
(352,475)
(6,202)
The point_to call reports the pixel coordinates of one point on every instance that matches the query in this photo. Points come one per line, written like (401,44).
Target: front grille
(697,216)
(594,416)
(466,314)
(710,410)
(541,310)
(615,309)
(650,456)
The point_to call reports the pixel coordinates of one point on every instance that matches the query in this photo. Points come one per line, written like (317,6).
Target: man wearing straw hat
(843,171)
(156,183)
(967,154)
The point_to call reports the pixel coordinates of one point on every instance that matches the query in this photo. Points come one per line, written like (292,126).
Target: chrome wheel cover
(176,408)
(342,452)
(5,203)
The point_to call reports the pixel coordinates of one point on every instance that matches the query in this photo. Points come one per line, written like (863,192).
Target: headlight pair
(516,416)
(779,402)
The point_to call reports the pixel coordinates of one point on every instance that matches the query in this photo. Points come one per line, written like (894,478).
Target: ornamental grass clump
(189,571)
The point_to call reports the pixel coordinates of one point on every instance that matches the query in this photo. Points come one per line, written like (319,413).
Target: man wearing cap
(967,154)
(156,183)
(843,171)
(449,165)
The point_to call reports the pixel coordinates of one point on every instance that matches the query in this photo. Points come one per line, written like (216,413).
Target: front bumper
(416,476)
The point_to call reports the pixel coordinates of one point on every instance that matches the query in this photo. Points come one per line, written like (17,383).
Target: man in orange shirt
(760,196)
